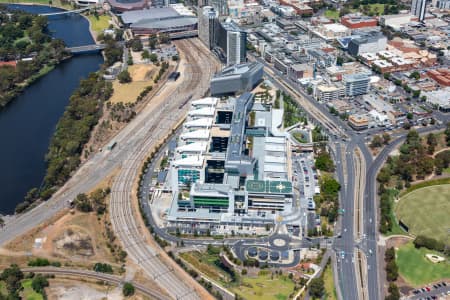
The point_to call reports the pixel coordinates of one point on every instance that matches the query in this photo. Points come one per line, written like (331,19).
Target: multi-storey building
(418,8)
(356,84)
(236,46)
(207,26)
(328,93)
(373,41)
(237,79)
(227,170)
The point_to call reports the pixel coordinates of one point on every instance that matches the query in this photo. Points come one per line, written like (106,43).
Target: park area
(416,269)
(141,78)
(99,23)
(426,211)
(262,286)
(265,287)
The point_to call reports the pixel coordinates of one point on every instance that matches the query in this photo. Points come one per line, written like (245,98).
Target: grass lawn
(447,170)
(377,8)
(264,287)
(332,14)
(426,211)
(100,23)
(208,265)
(300,137)
(416,269)
(28,293)
(3,289)
(329,284)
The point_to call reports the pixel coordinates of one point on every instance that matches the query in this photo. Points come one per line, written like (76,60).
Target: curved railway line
(123,216)
(114,279)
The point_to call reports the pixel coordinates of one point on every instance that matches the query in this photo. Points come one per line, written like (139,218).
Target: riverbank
(28,122)
(55,3)
(20,72)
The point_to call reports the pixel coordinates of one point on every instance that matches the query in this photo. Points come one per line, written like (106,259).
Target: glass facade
(187,176)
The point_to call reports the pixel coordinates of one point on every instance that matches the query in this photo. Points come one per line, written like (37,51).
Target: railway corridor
(199,66)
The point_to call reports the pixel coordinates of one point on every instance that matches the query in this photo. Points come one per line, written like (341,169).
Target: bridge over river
(67,12)
(99,47)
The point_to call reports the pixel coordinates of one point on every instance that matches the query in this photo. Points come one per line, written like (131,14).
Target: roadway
(89,175)
(82,274)
(133,143)
(194,83)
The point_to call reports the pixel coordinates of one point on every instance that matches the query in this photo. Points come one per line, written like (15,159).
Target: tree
(415,75)
(153,57)
(136,45)
(324,162)
(145,54)
(82,203)
(386,138)
(12,277)
(377,142)
(394,293)
(103,268)
(409,116)
(164,38)
(317,288)
(391,271)
(389,255)
(124,77)
(128,289)
(39,283)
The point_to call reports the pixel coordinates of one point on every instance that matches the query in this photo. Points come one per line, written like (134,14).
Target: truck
(111,145)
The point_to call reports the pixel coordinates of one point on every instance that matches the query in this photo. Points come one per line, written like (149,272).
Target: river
(28,122)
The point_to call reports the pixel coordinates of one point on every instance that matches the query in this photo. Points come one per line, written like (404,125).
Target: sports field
(426,211)
(416,269)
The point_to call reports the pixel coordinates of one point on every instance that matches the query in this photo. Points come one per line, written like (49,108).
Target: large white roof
(205,111)
(202,122)
(190,161)
(193,147)
(208,101)
(196,134)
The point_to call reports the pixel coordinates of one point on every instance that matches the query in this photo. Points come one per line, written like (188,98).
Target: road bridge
(86,49)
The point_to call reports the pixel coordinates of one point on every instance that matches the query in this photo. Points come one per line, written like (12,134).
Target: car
(415,292)
(428,289)
(435,286)
(444,284)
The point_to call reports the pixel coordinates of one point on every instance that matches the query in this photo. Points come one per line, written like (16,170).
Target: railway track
(114,279)
(123,216)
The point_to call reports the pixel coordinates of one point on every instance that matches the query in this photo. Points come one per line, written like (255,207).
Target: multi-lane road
(134,142)
(348,242)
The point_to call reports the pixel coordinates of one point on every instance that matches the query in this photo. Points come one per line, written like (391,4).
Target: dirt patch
(122,106)
(74,241)
(397,242)
(69,289)
(144,72)
(24,243)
